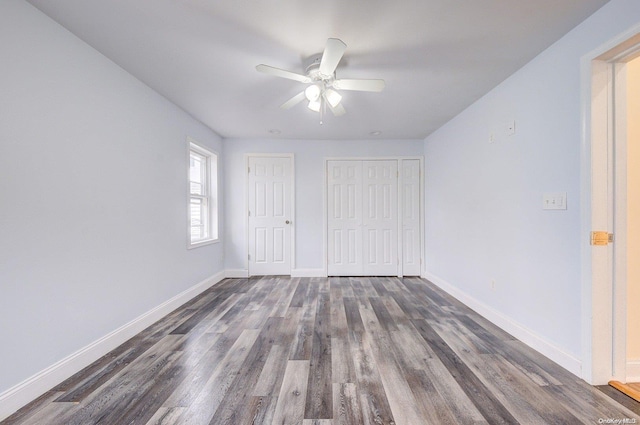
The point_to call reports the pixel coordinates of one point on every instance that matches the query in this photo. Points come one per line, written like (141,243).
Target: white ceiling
(436,56)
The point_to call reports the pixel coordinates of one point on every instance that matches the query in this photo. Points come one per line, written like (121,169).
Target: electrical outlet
(511,128)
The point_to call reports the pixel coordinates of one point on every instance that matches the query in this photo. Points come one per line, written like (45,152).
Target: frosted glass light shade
(333,97)
(312,93)
(314,105)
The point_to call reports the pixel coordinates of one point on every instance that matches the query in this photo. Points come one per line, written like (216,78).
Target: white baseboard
(524,334)
(236,273)
(633,370)
(308,273)
(16,397)
(243,273)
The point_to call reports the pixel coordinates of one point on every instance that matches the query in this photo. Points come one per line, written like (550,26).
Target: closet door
(344,218)
(380,217)
(362,218)
(410,192)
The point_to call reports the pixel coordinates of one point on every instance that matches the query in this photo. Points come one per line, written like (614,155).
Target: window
(203,190)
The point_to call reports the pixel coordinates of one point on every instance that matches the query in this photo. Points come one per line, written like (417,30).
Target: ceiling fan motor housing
(312,69)
(312,63)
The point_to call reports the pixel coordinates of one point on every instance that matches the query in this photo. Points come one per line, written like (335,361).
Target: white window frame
(209,197)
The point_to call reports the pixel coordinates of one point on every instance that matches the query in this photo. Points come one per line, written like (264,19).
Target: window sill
(202,243)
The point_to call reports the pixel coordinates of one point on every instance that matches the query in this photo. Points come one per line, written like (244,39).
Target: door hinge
(601,238)
(249,213)
(249,170)
(248,256)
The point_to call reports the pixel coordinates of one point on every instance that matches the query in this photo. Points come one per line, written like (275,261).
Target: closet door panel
(380,219)
(344,218)
(410,192)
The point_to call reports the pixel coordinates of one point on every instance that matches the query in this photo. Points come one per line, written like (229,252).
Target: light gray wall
(309,159)
(92,195)
(484,217)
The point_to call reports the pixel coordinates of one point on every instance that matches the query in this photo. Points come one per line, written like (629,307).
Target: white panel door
(344,218)
(380,217)
(410,193)
(362,218)
(269,215)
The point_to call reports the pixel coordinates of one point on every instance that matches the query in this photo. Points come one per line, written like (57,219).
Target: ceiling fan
(322,89)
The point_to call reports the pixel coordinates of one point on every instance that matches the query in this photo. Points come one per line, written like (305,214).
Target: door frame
(325,205)
(292,182)
(603,176)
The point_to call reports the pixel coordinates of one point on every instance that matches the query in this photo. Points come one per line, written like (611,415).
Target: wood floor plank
(494,411)
(346,407)
(186,392)
(260,410)
(455,397)
(271,376)
(301,347)
(410,349)
(25,415)
(301,293)
(319,399)
(338,319)
(232,410)
(287,290)
(208,400)
(127,387)
(320,351)
(342,368)
(586,402)
(401,400)
(166,416)
(518,358)
(345,286)
(524,395)
(352,312)
(373,399)
(430,402)
(291,399)
(383,315)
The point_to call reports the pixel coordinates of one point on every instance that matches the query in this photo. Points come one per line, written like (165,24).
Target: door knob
(287,222)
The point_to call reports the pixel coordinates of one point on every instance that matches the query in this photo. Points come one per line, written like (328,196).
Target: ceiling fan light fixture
(314,105)
(322,91)
(312,93)
(332,97)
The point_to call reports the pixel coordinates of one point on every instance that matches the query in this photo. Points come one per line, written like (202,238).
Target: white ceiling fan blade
(359,85)
(293,101)
(277,72)
(337,110)
(333,52)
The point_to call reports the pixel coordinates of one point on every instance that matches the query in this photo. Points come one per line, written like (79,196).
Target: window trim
(210,196)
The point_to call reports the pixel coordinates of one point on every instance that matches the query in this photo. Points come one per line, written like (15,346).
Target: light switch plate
(554,201)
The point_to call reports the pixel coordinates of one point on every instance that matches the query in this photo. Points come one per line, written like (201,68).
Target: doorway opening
(612,155)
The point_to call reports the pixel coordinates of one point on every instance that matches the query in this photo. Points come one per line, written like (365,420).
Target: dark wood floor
(319,352)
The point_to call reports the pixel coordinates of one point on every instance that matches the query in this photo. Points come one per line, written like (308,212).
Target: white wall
(309,179)
(92,195)
(484,217)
